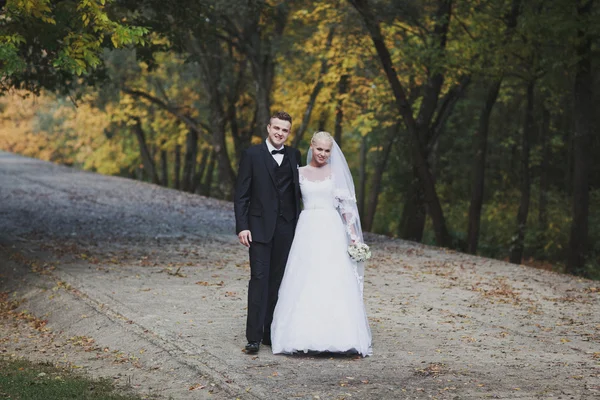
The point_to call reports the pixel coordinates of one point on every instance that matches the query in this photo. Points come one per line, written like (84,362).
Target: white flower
(359,252)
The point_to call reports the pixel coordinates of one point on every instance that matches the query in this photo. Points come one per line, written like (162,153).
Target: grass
(20,379)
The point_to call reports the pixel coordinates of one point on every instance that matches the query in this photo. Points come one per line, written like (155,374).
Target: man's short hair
(282,115)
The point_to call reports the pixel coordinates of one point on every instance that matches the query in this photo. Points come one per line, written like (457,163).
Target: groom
(267,206)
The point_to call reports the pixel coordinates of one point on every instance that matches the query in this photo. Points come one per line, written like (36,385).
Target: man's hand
(245,238)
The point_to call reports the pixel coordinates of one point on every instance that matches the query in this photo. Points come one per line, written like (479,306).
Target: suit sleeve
(243,191)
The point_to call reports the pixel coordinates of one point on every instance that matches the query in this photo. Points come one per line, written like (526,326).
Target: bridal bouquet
(359,252)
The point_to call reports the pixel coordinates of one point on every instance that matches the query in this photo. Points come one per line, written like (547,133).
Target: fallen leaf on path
(204,283)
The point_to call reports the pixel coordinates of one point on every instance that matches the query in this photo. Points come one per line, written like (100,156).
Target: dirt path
(148,286)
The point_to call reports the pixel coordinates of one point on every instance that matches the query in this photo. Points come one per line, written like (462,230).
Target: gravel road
(148,285)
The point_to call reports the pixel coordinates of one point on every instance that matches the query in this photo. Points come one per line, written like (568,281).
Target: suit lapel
(268,159)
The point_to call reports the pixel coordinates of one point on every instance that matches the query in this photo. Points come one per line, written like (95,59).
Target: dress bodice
(316,194)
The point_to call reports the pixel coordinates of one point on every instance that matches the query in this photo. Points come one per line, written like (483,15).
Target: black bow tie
(278,151)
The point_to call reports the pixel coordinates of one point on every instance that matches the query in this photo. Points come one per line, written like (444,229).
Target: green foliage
(47,44)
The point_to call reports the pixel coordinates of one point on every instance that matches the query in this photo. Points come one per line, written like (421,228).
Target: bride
(320,306)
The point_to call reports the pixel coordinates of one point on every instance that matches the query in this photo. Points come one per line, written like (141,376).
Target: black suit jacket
(256,201)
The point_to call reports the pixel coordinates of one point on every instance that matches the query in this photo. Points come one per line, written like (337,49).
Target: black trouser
(267,265)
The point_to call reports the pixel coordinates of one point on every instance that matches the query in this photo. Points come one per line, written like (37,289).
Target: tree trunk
(339,111)
(207,187)
(481,138)
(518,246)
(412,221)
(190,159)
(315,92)
(478,171)
(164,165)
(226,173)
(323,120)
(307,113)
(260,46)
(569,167)
(211,55)
(362,179)
(378,177)
(153,155)
(263,109)
(197,187)
(582,141)
(568,126)
(139,173)
(218,128)
(178,167)
(218,124)
(147,160)
(543,200)
(241,138)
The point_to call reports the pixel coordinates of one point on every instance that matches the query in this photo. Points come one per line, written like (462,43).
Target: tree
(222,39)
(418,128)
(481,137)
(584,128)
(481,109)
(516,254)
(47,44)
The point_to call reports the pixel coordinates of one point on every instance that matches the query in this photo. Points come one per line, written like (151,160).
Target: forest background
(470,125)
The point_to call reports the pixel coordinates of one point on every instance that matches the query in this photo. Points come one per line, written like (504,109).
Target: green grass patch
(20,379)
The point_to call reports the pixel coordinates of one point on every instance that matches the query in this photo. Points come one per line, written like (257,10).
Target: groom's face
(278,130)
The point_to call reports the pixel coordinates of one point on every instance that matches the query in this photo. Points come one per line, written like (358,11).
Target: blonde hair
(321,135)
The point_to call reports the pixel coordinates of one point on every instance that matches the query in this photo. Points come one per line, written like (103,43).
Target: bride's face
(321,149)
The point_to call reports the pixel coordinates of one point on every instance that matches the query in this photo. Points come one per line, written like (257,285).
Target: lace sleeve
(345,202)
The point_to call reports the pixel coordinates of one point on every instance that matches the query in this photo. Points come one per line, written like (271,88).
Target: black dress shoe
(252,347)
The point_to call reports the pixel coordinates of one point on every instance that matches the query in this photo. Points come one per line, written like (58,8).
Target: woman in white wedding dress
(320,306)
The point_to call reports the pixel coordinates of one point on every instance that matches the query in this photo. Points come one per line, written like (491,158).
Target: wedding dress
(320,306)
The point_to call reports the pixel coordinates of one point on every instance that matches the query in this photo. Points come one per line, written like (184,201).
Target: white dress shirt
(278,157)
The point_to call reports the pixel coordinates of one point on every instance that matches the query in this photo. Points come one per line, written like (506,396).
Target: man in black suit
(267,206)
